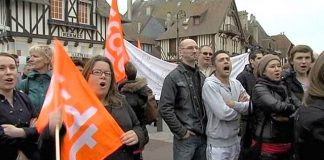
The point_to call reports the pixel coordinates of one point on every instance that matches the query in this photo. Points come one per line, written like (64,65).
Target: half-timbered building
(209,22)
(80,24)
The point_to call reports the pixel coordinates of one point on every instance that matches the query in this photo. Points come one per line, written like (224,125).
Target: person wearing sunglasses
(204,60)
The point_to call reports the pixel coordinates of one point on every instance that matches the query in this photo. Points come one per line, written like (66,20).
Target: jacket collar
(182,68)
(34,73)
(132,85)
(248,68)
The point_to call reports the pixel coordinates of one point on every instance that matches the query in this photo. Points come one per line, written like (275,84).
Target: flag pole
(57,142)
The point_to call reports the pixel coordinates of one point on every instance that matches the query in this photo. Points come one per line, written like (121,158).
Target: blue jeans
(192,148)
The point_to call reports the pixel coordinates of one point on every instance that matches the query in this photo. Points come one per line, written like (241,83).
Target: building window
(57,9)
(83,12)
(147,48)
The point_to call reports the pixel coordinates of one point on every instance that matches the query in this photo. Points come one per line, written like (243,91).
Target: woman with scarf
(310,119)
(273,107)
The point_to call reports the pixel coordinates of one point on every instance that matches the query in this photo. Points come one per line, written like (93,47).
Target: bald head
(188,51)
(186,41)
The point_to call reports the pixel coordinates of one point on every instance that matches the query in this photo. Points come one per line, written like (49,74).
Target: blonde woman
(38,79)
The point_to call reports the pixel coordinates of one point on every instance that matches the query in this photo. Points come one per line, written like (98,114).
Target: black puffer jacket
(309,130)
(271,102)
(289,77)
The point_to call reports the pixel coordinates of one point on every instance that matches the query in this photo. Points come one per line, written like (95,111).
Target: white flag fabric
(155,70)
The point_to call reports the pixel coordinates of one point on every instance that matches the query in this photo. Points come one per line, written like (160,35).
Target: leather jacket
(309,130)
(179,103)
(272,104)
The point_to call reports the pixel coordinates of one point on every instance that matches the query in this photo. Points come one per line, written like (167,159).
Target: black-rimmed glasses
(98,72)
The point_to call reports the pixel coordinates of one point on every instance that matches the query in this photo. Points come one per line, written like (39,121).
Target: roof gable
(212,14)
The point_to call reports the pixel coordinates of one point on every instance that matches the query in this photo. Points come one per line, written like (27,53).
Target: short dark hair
(302,49)
(78,62)
(254,53)
(5,54)
(15,56)
(130,70)
(213,58)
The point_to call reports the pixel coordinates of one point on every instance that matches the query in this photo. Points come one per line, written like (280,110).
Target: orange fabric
(139,43)
(92,133)
(115,47)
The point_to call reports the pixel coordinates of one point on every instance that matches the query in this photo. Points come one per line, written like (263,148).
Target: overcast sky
(302,21)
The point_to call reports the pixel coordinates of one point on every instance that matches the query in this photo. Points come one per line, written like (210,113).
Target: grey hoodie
(222,121)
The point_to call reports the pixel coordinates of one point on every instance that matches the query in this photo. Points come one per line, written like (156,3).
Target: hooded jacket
(136,93)
(222,121)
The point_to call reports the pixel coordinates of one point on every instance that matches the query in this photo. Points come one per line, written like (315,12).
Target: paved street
(160,145)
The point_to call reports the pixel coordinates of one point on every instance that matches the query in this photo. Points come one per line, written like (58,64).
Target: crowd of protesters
(267,113)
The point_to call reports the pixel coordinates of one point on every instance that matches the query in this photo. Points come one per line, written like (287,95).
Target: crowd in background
(267,113)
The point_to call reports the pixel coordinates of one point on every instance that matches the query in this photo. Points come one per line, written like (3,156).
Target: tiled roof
(103,8)
(283,44)
(150,29)
(211,15)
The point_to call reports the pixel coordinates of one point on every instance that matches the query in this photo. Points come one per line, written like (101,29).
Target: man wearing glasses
(181,105)
(204,60)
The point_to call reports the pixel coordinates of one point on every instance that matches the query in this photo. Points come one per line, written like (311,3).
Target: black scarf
(276,86)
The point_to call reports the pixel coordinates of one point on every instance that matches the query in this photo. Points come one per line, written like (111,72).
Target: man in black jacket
(248,80)
(300,59)
(246,77)
(182,108)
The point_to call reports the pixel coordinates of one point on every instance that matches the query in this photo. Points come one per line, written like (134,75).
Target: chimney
(148,10)
(252,19)
(168,21)
(243,15)
(129,9)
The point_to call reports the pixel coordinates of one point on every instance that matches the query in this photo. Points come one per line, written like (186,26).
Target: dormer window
(83,12)
(57,9)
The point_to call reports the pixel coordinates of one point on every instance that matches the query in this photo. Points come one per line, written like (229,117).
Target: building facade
(81,25)
(209,22)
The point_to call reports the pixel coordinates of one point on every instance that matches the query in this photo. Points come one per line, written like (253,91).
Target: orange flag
(139,43)
(92,133)
(115,47)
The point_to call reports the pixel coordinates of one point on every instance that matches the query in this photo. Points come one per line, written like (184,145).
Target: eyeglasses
(191,47)
(207,53)
(98,72)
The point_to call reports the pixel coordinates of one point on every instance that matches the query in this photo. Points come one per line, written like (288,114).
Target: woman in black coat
(309,134)
(17,115)
(273,107)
